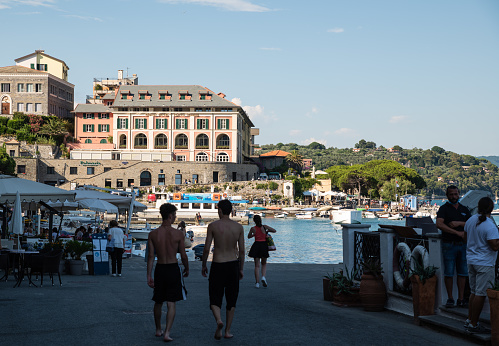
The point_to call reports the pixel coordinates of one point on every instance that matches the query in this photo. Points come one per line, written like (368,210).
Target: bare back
(226,234)
(166,241)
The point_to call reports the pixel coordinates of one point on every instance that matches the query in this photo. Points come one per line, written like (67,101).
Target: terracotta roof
(20,69)
(280,153)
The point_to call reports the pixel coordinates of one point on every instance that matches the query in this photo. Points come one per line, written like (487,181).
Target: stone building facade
(67,174)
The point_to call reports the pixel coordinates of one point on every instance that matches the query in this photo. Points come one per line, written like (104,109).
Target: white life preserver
(401,248)
(420,254)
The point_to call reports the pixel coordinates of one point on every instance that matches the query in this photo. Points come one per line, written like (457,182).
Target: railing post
(436,259)
(386,255)
(349,242)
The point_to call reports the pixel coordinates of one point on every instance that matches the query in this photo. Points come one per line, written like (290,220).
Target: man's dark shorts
(168,283)
(224,277)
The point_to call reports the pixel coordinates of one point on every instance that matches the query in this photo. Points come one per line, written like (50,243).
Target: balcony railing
(223,146)
(161,147)
(181,147)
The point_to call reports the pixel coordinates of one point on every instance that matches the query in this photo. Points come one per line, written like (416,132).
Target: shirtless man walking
(165,242)
(226,267)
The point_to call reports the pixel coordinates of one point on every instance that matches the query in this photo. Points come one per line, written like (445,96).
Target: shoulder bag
(270,241)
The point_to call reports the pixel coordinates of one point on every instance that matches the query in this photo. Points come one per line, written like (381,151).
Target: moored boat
(346,216)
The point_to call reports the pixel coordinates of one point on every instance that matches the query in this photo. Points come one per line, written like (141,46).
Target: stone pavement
(105,310)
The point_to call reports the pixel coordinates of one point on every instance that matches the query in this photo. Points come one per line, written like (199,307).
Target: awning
(30,191)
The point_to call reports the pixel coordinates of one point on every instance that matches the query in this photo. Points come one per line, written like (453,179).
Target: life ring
(385,206)
(177,196)
(420,254)
(215,196)
(224,195)
(367,206)
(401,248)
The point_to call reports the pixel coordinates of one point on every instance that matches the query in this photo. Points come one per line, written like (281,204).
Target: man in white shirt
(117,238)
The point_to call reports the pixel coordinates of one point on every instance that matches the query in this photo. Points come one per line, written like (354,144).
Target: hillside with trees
(437,166)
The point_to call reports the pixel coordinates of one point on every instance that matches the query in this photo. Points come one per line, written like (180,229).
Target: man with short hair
(164,243)
(226,267)
(451,218)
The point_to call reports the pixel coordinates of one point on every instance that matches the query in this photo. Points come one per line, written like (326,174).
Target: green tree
(438,149)
(54,127)
(7,163)
(316,145)
(295,160)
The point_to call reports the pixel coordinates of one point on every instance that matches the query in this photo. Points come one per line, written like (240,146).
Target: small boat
(281,215)
(244,213)
(261,214)
(308,215)
(308,209)
(397,216)
(384,216)
(291,209)
(142,233)
(274,207)
(495,212)
(346,216)
(369,215)
(257,208)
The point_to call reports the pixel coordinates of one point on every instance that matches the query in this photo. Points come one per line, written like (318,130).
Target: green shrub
(3,121)
(15,124)
(261,186)
(273,185)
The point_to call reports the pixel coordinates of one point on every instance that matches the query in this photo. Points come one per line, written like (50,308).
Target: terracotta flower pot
(494,315)
(372,292)
(423,296)
(326,289)
(347,299)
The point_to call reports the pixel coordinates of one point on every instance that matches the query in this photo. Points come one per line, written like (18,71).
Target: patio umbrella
(66,205)
(98,205)
(17,219)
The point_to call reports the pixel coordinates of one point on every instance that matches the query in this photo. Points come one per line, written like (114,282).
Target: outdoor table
(21,255)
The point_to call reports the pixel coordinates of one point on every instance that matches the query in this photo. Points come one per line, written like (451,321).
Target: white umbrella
(98,205)
(30,191)
(66,205)
(17,218)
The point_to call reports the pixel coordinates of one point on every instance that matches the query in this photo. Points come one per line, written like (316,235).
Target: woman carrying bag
(259,249)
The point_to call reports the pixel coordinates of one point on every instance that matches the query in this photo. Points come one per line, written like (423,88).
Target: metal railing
(366,248)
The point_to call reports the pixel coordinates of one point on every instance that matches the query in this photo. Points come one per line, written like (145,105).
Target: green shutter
(118,124)
(126,123)
(166,124)
(32,66)
(93,128)
(99,116)
(99,128)
(186,122)
(136,123)
(45,67)
(177,123)
(228,124)
(157,123)
(84,128)
(207,124)
(145,124)
(93,116)
(218,124)
(199,123)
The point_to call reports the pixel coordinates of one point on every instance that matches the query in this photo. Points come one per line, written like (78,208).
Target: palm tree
(295,160)
(54,127)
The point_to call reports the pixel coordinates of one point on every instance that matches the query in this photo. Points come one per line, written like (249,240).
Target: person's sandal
(450,303)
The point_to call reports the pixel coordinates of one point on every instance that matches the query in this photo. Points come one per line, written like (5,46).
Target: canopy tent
(30,191)
(98,205)
(66,205)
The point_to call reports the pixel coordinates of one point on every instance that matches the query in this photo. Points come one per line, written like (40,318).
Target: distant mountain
(493,159)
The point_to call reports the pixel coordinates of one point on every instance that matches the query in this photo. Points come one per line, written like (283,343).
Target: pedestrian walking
(259,250)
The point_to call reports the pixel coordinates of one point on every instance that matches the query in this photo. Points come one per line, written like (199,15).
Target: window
(103,141)
(103,128)
(29,87)
(20,87)
(182,97)
(199,109)
(202,97)
(181,142)
(88,140)
(124,96)
(177,109)
(107,183)
(90,170)
(119,182)
(195,179)
(180,158)
(162,124)
(6,87)
(38,107)
(142,96)
(103,116)
(145,178)
(140,141)
(107,169)
(20,107)
(225,109)
(203,124)
(122,123)
(88,128)
(223,124)
(21,169)
(161,179)
(223,142)
(131,182)
(73,170)
(202,157)
(88,116)
(178,178)
(141,124)
(38,87)
(223,157)
(41,67)
(207,109)
(12,153)
(123,141)
(50,170)
(29,107)
(202,141)
(161,142)
(181,124)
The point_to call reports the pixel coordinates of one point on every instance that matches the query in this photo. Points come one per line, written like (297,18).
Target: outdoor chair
(34,264)
(51,265)
(5,265)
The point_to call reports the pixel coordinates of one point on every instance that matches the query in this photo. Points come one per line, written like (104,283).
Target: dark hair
(451,187)
(258,220)
(181,224)
(225,206)
(485,207)
(166,210)
(113,223)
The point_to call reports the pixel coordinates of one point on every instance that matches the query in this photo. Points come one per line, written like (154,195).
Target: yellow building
(44,62)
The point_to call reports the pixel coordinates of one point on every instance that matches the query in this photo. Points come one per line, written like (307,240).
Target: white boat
(141,233)
(384,216)
(495,212)
(281,215)
(198,230)
(261,214)
(290,209)
(397,216)
(307,215)
(369,215)
(244,213)
(346,216)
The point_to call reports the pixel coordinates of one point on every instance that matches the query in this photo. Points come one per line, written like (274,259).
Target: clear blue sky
(411,73)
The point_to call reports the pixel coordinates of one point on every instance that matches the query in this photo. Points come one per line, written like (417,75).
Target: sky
(410,73)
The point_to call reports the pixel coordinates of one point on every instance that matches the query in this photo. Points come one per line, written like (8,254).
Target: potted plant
(372,286)
(424,284)
(327,287)
(493,294)
(345,291)
(76,249)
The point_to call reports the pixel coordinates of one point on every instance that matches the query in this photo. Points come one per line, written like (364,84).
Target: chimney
(120,74)
(222,95)
(135,79)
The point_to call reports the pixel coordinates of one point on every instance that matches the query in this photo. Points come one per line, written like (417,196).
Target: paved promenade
(104,310)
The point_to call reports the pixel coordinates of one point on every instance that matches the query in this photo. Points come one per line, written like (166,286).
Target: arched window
(223,157)
(181,142)
(88,140)
(202,141)
(103,141)
(223,142)
(123,141)
(202,157)
(161,142)
(145,178)
(140,141)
